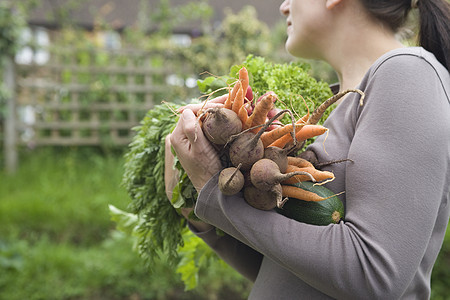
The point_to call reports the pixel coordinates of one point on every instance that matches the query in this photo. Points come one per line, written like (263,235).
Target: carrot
(299,193)
(303,119)
(200,122)
(317,174)
(282,141)
(232,95)
(306,132)
(239,99)
(227,104)
(319,111)
(243,77)
(249,122)
(299,162)
(259,115)
(271,136)
(310,131)
(243,115)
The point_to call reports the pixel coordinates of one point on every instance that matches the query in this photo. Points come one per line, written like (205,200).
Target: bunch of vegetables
(259,156)
(155,222)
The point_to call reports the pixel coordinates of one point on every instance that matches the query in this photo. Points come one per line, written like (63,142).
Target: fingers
(200,106)
(192,129)
(216,102)
(220,99)
(191,125)
(167,143)
(187,133)
(188,137)
(178,139)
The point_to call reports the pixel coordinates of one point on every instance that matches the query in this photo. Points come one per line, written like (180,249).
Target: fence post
(10,121)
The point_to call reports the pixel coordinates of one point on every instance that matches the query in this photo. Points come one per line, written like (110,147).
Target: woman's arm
(395,193)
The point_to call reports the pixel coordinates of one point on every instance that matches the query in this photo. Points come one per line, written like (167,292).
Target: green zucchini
(328,211)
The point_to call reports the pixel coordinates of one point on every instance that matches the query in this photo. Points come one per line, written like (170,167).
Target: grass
(59,192)
(57,240)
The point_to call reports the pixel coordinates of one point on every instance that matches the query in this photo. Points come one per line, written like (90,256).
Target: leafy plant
(144,181)
(12,22)
(290,81)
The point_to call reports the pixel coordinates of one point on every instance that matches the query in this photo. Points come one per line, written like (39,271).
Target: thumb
(190,125)
(220,99)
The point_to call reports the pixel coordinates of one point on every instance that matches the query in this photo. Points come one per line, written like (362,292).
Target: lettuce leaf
(290,81)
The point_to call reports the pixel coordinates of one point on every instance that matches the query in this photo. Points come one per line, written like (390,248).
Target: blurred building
(106,19)
(122,13)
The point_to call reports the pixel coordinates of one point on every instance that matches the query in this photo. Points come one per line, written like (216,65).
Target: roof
(123,13)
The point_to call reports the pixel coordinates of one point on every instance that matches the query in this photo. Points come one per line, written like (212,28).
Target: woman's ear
(330,4)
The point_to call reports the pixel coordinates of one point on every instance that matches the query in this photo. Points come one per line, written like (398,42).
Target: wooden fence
(86,98)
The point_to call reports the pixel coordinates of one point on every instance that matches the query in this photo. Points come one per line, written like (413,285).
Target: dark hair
(434,22)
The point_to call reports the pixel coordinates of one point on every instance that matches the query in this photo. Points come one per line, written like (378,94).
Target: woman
(397,187)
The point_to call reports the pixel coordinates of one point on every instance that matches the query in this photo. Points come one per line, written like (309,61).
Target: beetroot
(278,155)
(231,181)
(220,124)
(246,149)
(265,174)
(264,200)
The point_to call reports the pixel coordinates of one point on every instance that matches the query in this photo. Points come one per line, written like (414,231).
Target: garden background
(57,239)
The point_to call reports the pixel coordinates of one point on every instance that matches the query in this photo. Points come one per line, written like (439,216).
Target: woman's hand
(195,153)
(190,150)
(216,102)
(171,178)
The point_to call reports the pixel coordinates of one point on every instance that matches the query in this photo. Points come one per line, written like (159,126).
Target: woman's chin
(288,46)
(291,49)
(296,50)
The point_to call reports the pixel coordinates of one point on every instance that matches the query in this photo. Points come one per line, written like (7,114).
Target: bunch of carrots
(260,147)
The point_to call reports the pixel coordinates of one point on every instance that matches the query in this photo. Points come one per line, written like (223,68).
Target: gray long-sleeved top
(396,197)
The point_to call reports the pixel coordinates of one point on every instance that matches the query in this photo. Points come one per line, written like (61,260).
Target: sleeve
(393,189)
(238,255)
